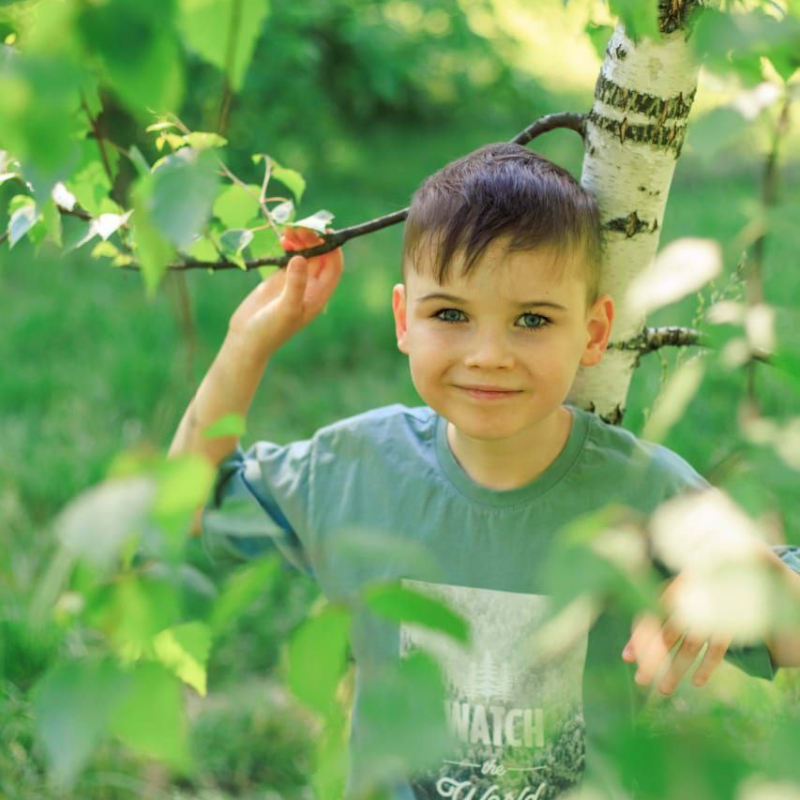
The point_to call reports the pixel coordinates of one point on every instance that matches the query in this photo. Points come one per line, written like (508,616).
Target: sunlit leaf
(234,241)
(184,650)
(283,212)
(201,140)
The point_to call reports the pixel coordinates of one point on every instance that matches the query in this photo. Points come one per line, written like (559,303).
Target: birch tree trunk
(633,139)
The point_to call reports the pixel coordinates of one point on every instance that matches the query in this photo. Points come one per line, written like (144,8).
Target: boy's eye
(540,321)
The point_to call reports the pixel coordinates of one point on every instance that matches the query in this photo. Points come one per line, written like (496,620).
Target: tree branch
(333,239)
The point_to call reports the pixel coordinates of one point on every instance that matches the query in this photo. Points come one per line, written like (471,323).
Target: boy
(499,307)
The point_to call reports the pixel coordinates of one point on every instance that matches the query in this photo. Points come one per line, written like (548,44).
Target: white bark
(633,138)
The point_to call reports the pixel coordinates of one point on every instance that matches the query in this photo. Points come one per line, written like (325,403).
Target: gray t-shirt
(390,472)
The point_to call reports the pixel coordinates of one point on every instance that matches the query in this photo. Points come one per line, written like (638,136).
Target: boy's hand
(287,300)
(651,642)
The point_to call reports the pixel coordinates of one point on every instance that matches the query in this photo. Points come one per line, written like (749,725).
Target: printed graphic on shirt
(517,714)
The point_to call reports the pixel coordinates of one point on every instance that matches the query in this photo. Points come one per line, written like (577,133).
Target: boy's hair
(503,189)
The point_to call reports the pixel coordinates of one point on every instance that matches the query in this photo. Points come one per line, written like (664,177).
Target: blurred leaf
(184,484)
(201,140)
(235,206)
(682,267)
(136,43)
(153,251)
(72,705)
(203,250)
(180,193)
(403,725)
(737,41)
(52,220)
(242,589)
(317,658)
(206,27)
(401,603)
(39,100)
(97,524)
(599,36)
(184,650)
(713,133)
(150,719)
(228,425)
(132,610)
(639,18)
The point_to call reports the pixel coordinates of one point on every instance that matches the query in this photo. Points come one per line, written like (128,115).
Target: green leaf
(39,123)
(151,719)
(639,18)
(205,26)
(403,725)
(233,242)
(319,221)
(52,220)
(202,141)
(22,220)
(153,251)
(138,160)
(72,705)
(183,486)
(317,658)
(97,524)
(265,243)
(184,650)
(242,589)
(132,611)
(396,602)
(235,206)
(599,36)
(135,42)
(203,250)
(291,179)
(227,425)
(180,193)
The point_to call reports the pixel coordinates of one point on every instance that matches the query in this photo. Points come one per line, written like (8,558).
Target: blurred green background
(365,99)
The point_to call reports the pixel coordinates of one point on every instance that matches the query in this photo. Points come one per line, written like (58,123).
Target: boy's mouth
(489,392)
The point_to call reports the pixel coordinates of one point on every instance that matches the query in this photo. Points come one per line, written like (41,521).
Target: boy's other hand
(289,299)
(652,639)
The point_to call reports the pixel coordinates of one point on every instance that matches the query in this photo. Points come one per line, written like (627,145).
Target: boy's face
(487,338)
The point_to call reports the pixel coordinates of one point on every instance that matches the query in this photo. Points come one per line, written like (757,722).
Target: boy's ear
(599,321)
(399,311)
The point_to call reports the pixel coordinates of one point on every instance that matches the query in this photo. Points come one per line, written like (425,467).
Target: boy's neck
(509,464)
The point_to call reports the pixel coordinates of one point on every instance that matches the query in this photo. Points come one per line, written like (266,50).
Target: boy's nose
(489,351)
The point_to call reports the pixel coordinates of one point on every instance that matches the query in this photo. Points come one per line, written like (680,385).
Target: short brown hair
(503,189)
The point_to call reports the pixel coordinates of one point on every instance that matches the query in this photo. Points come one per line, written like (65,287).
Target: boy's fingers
(711,660)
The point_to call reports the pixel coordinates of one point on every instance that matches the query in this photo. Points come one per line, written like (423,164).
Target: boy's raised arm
(271,314)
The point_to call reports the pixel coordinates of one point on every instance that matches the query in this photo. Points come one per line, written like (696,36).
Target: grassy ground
(90,367)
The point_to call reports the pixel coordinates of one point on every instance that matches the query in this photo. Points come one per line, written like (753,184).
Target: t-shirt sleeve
(261,500)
